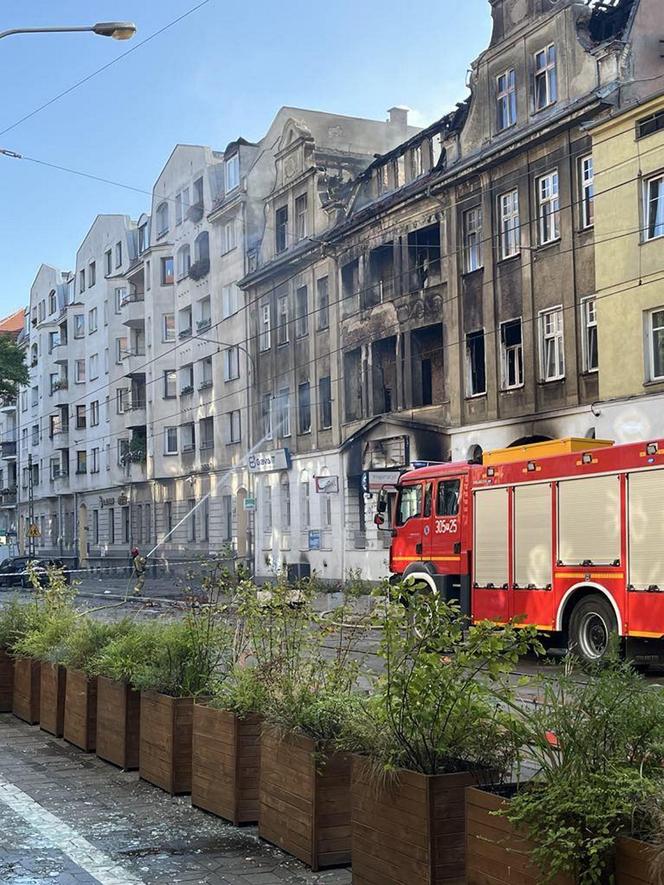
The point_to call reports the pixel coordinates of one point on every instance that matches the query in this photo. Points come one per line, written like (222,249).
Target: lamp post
(116,30)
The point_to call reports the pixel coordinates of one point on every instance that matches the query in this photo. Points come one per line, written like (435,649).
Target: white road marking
(61,836)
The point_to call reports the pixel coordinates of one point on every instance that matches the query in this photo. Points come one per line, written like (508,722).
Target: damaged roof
(609,19)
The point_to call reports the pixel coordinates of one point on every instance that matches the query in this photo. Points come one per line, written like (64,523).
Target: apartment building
(12,326)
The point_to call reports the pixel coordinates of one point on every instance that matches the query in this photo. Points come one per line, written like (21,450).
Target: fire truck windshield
(410,503)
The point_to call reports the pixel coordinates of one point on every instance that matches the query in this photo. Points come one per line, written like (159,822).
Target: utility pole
(31,510)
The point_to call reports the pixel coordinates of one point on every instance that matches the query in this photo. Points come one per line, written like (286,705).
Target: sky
(221,72)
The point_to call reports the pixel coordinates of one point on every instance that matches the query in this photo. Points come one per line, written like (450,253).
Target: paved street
(68,818)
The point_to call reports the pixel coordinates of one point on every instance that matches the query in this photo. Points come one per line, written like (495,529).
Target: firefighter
(139,564)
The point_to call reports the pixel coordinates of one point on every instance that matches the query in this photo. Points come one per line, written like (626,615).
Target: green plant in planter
(57,617)
(435,708)
(16,620)
(123,657)
(597,738)
(86,642)
(242,692)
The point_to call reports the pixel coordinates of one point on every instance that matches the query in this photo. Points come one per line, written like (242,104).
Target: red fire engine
(567,535)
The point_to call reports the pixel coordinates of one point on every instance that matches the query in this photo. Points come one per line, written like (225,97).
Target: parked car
(14,571)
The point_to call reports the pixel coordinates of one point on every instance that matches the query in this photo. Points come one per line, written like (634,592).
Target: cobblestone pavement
(66,817)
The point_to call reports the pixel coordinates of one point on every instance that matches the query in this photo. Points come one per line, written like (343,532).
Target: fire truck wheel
(591,626)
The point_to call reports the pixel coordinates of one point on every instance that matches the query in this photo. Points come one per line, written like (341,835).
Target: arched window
(34,355)
(305,507)
(162,219)
(184,261)
(284,483)
(202,247)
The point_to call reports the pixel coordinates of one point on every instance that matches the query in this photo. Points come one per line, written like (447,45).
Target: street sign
(249,503)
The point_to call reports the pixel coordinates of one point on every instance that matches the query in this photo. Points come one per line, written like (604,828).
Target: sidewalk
(68,818)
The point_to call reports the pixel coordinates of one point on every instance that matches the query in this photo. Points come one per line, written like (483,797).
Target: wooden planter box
(496,851)
(6,682)
(634,861)
(27,686)
(165,741)
(52,698)
(118,723)
(305,799)
(410,829)
(81,710)
(226,764)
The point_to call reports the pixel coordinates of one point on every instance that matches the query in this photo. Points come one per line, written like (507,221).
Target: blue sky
(220,73)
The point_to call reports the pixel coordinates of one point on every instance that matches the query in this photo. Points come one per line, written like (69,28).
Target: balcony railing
(185,333)
(202,325)
(199,269)
(8,448)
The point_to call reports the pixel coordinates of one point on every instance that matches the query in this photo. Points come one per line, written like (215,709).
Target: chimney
(399,119)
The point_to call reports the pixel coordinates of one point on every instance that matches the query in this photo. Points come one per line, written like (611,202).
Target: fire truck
(566,535)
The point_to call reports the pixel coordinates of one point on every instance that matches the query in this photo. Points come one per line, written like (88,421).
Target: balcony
(202,325)
(8,450)
(199,269)
(8,408)
(133,311)
(136,413)
(61,438)
(195,212)
(8,497)
(60,355)
(134,362)
(185,333)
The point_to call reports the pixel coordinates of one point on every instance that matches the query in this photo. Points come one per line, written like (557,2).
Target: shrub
(435,708)
(46,639)
(16,620)
(123,657)
(242,692)
(86,641)
(597,739)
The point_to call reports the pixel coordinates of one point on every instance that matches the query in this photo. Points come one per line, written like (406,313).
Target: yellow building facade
(628,161)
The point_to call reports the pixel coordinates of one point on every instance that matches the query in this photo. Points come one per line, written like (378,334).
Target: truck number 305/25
(446,526)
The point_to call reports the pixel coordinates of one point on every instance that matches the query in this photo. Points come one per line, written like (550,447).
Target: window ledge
(654,382)
(509,258)
(542,247)
(469,273)
(471,396)
(512,389)
(543,382)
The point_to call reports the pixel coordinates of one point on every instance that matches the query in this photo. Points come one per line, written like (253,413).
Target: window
(546,77)
(267,508)
(552,353)
(656,344)
(92,320)
(111,525)
(206,433)
(81,462)
(230,300)
(81,279)
(323,298)
(447,498)
(168,327)
(202,250)
(266,415)
(121,349)
(410,503)
(166,271)
(650,125)
(94,466)
(230,237)
(325,401)
(281,229)
(108,262)
(94,366)
(79,371)
(52,301)
(121,298)
(188,437)
(302,312)
(305,501)
(198,192)
(233,427)
(304,407)
(92,274)
(589,331)
(94,413)
(232,172)
(170,382)
(472,239)
(122,400)
(184,322)
(34,399)
(95,528)
(118,254)
(178,208)
(548,208)
(143,238)
(510,230)
(162,219)
(511,354)
(284,484)
(301,217)
(475,363)
(416,162)
(170,441)
(282,320)
(168,517)
(206,373)
(506,99)
(231,363)
(283,413)
(79,325)
(654,203)
(264,338)
(35,433)
(187,378)
(184,261)
(205,519)
(227,509)
(587,191)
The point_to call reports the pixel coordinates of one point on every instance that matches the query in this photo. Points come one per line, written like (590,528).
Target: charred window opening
(424,257)
(281,228)
(381,275)
(609,19)
(350,286)
(427,366)
(384,374)
(353,385)
(475,364)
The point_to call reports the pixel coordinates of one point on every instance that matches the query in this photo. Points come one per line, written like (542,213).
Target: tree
(13,371)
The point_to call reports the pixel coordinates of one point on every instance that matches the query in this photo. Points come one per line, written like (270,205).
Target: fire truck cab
(566,535)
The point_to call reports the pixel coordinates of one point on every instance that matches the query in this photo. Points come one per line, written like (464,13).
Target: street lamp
(116,30)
